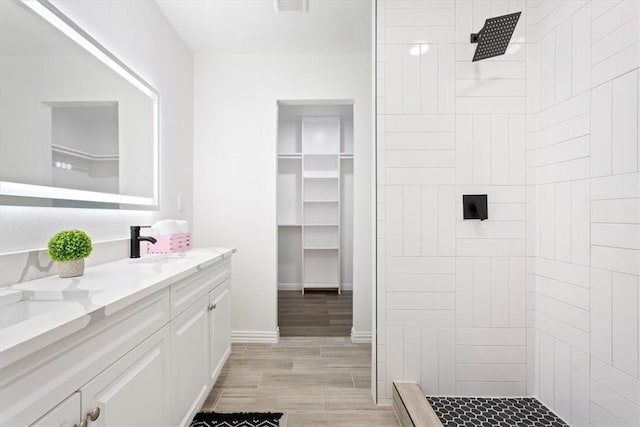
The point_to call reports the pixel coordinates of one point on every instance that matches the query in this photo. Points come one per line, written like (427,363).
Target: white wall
(451,293)
(137,33)
(235,168)
(585,156)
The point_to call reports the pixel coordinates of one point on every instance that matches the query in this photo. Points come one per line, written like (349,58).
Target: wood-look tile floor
(314,381)
(315,314)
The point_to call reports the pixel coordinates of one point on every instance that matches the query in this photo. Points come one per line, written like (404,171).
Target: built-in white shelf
(312,194)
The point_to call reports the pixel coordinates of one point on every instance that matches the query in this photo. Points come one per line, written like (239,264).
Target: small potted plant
(69,248)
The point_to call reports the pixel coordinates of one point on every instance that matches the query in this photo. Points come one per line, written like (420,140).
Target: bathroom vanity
(132,342)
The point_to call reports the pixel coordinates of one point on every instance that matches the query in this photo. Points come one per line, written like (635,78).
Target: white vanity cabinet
(220,330)
(66,414)
(150,363)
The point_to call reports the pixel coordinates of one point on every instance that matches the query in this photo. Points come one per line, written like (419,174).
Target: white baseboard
(266,337)
(298,286)
(360,337)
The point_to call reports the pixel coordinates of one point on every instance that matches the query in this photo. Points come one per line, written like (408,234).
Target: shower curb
(411,406)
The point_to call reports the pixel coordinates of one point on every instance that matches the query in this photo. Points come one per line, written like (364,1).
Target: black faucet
(136,238)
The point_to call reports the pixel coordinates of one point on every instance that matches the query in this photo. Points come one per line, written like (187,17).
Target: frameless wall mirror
(78,128)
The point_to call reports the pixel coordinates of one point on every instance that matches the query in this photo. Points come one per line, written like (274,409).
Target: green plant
(69,245)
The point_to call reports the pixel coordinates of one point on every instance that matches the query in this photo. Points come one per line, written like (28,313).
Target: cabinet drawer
(187,291)
(34,385)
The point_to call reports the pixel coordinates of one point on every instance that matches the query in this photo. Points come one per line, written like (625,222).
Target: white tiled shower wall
(542,298)
(583,147)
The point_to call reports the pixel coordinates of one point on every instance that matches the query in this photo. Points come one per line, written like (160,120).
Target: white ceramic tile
(626,211)
(427,88)
(624,145)
(565,272)
(410,80)
(490,354)
(490,247)
(562,151)
(411,221)
(464,292)
(581,50)
(420,265)
(429,361)
(420,123)
(481,150)
(548,70)
(490,105)
(546,374)
(490,87)
(491,372)
(625,323)
(446,361)
(464,149)
(564,332)
(615,65)
(421,282)
(421,300)
(563,60)
(613,18)
(613,403)
(423,176)
(601,418)
(562,380)
(394,220)
(446,78)
(562,111)
(490,70)
(563,221)
(565,312)
(616,381)
(616,187)
(517,292)
(618,39)
(446,221)
(491,388)
(580,217)
(601,320)
(429,220)
(562,291)
(601,104)
(395,353)
(394,79)
(412,355)
(546,218)
(499,292)
(579,389)
(616,259)
(421,318)
(499,149)
(495,194)
(563,131)
(420,140)
(486,229)
(491,336)
(517,154)
(482,292)
(616,235)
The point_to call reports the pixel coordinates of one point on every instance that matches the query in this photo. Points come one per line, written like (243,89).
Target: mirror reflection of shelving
(315,197)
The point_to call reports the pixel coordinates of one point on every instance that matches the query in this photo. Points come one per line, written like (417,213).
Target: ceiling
(253,26)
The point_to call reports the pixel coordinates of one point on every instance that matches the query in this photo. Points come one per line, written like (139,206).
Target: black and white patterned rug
(237,419)
(495,412)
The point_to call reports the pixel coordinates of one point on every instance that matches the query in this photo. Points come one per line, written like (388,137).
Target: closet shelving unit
(311,160)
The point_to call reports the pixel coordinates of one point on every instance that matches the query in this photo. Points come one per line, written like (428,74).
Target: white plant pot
(71,268)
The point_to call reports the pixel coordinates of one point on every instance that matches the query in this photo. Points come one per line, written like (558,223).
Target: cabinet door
(220,330)
(66,414)
(134,391)
(190,361)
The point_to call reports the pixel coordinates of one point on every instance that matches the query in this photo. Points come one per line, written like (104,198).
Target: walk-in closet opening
(315,218)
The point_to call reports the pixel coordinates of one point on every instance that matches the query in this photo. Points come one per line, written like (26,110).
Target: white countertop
(103,290)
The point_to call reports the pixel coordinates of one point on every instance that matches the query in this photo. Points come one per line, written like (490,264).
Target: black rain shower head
(494,37)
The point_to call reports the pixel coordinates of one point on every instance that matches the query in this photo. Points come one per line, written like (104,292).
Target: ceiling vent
(291,5)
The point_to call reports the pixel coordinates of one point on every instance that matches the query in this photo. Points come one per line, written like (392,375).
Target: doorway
(315,155)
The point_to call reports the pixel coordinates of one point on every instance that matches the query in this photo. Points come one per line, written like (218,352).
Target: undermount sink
(163,259)
(18,305)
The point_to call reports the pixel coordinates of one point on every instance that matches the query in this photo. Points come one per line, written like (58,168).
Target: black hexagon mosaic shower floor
(494,412)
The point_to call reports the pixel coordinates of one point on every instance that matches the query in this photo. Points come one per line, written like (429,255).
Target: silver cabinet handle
(94,414)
